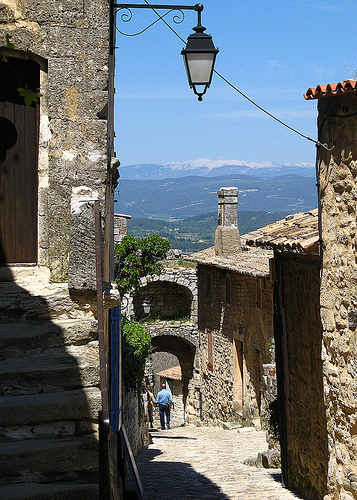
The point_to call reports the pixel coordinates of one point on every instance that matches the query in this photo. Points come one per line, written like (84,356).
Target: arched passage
(183,348)
(169,301)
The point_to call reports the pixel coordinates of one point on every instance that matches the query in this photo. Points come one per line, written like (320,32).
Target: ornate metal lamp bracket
(127,15)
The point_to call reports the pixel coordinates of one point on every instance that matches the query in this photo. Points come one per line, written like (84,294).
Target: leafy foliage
(29,95)
(136,346)
(137,258)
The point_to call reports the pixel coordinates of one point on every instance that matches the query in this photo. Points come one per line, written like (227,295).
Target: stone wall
(299,341)
(70,42)
(133,420)
(338,171)
(120,227)
(72,45)
(238,321)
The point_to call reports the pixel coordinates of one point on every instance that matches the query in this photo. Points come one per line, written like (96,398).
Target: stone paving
(207,463)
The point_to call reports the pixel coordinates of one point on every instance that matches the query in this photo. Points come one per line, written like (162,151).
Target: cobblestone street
(207,463)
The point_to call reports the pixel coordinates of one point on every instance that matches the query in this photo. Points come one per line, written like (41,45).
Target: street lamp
(199,54)
(146,305)
(199,57)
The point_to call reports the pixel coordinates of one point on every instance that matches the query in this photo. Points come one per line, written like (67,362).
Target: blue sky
(273,51)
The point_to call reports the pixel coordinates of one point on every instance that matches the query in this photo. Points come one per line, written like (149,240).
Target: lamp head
(199,57)
(146,305)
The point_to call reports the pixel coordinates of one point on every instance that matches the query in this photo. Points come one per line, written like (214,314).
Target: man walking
(163,400)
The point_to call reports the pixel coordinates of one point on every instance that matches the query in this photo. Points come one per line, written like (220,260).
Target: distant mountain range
(215,168)
(179,198)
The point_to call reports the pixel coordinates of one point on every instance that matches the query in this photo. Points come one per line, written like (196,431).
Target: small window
(210,349)
(228,289)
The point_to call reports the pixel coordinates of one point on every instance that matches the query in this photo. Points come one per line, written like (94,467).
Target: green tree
(136,258)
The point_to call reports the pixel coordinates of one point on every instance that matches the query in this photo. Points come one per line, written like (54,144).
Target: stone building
(337,108)
(172,325)
(56,159)
(235,322)
(298,337)
(314,270)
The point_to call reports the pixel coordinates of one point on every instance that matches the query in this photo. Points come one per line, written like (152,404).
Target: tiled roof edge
(331,89)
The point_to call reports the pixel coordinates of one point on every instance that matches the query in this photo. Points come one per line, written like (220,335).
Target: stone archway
(177,286)
(181,343)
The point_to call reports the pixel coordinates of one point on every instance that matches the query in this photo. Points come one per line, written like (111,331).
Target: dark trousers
(164,410)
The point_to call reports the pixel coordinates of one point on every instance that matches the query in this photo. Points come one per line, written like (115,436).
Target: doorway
(238,373)
(18,163)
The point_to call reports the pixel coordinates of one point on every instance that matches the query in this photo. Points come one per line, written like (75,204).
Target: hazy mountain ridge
(214,168)
(188,196)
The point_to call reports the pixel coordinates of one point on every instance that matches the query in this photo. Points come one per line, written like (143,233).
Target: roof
(331,89)
(296,233)
(172,373)
(251,262)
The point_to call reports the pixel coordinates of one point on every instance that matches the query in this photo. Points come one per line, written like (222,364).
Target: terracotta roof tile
(172,373)
(331,89)
(296,233)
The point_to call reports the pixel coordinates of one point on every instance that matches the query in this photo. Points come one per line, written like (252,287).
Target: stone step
(76,490)
(50,430)
(34,301)
(47,460)
(52,370)
(52,407)
(20,339)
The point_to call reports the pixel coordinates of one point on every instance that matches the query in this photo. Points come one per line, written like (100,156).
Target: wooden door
(238,373)
(19,126)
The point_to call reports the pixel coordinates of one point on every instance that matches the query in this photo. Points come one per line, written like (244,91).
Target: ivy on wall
(136,346)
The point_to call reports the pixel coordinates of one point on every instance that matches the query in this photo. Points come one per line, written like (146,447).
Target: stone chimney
(227,239)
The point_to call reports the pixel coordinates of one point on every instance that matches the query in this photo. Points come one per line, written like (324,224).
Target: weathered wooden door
(19,131)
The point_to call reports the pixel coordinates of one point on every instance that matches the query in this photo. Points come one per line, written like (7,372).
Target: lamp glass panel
(146,306)
(200,67)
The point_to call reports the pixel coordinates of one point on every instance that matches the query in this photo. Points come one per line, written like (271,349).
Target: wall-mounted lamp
(146,305)
(199,54)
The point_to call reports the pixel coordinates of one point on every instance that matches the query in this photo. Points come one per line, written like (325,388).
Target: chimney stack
(227,238)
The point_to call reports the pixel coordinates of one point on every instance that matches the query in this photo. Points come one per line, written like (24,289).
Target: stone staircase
(49,395)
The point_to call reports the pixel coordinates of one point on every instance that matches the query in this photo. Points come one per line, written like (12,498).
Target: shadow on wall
(49,397)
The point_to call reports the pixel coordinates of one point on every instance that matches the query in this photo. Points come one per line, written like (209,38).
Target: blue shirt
(164,397)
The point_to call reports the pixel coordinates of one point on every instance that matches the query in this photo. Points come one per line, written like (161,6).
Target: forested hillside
(196,233)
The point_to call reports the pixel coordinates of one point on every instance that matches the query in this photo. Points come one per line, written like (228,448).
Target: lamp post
(199,54)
